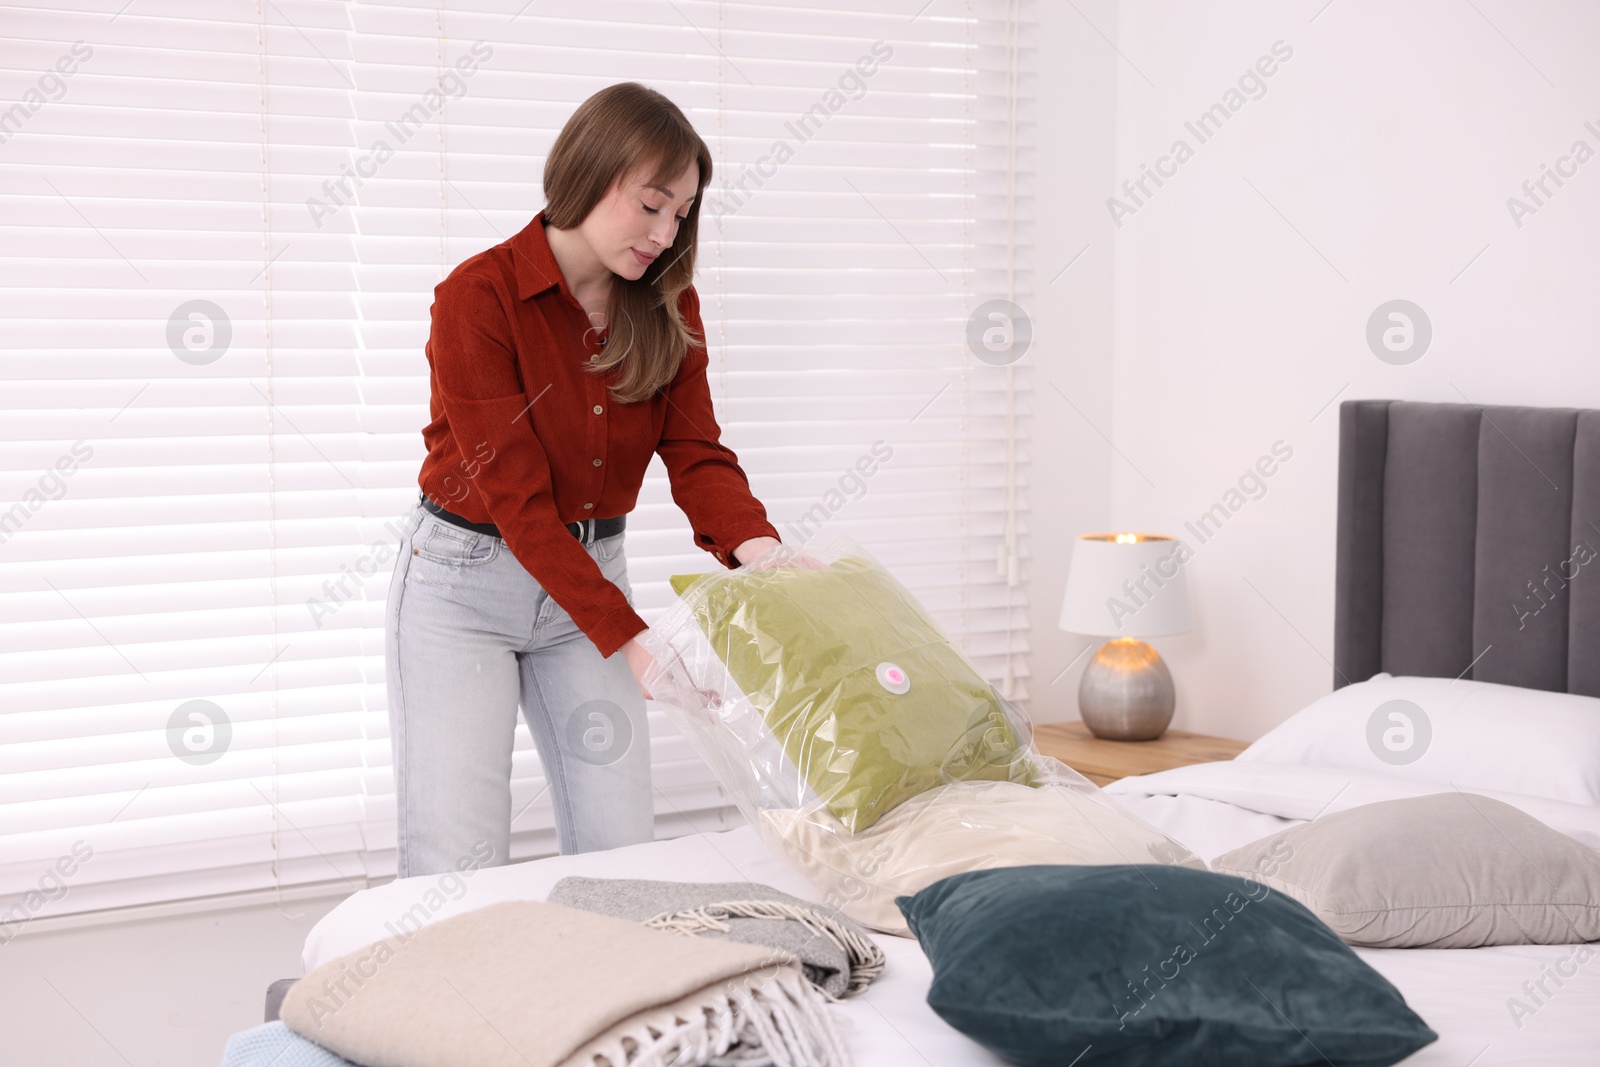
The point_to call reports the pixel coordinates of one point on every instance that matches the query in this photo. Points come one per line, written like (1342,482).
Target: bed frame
(1469,544)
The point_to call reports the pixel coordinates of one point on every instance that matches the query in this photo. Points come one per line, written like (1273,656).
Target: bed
(1446,513)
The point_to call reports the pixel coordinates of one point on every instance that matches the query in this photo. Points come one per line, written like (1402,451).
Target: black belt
(595,529)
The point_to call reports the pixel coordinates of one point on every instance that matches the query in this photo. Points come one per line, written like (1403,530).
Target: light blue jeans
(469,636)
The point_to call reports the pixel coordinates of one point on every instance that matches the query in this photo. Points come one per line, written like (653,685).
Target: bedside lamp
(1126,586)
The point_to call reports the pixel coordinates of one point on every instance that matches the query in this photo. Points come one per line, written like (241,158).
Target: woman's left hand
(757,549)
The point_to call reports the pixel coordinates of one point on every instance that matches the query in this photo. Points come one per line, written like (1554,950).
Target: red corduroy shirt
(523,436)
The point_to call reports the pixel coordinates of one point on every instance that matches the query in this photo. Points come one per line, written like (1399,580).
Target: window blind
(223,229)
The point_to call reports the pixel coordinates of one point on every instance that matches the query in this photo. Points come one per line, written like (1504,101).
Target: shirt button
(587,506)
(597,461)
(598,409)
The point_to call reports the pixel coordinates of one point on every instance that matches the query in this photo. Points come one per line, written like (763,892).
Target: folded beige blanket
(527,984)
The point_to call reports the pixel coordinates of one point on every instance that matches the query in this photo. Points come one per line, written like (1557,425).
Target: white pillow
(1472,735)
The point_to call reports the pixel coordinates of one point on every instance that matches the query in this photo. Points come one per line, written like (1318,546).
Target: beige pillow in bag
(963,826)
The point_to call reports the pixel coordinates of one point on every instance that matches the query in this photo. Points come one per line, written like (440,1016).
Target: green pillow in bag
(868,699)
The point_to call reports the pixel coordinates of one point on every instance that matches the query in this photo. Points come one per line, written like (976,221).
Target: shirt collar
(535,264)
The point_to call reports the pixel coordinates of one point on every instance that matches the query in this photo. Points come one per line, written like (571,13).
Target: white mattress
(1463,994)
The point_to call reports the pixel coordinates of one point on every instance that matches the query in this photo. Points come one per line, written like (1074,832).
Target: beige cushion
(1451,870)
(963,826)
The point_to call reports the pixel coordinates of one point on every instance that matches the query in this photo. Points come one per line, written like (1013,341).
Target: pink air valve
(892,678)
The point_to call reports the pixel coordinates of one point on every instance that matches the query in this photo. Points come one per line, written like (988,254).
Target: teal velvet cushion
(1149,964)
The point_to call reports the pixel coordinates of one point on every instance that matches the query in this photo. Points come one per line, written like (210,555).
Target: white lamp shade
(1132,587)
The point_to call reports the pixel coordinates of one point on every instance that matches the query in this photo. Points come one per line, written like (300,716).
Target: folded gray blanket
(835,953)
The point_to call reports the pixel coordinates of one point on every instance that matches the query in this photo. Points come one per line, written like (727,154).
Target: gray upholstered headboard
(1469,544)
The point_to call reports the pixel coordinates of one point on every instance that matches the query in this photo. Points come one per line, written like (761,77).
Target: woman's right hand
(639,660)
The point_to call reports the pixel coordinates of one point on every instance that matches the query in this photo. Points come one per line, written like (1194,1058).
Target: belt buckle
(588,528)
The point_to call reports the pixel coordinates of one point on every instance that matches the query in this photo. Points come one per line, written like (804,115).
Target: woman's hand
(639,661)
(752,552)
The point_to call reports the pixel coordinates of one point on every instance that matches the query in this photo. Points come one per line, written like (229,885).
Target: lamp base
(1126,693)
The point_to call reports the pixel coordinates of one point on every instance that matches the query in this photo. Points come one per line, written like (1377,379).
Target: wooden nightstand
(1103,761)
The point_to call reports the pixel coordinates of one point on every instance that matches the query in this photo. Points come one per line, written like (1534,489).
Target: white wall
(1376,166)
(1069,478)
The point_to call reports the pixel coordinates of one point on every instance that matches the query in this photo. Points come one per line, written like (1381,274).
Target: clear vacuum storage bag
(860,743)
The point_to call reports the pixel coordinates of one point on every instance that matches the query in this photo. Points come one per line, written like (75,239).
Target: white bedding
(1463,994)
(1216,807)
(891,1024)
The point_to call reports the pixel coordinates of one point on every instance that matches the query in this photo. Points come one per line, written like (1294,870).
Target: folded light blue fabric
(276,1045)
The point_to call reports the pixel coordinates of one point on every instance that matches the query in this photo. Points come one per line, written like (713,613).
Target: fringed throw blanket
(836,954)
(526,984)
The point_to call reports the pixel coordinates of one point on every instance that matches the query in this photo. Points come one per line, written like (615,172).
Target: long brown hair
(618,129)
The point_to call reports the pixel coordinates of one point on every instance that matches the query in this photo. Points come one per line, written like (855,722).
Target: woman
(561,360)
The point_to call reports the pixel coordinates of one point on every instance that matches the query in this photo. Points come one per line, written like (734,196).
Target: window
(217,291)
